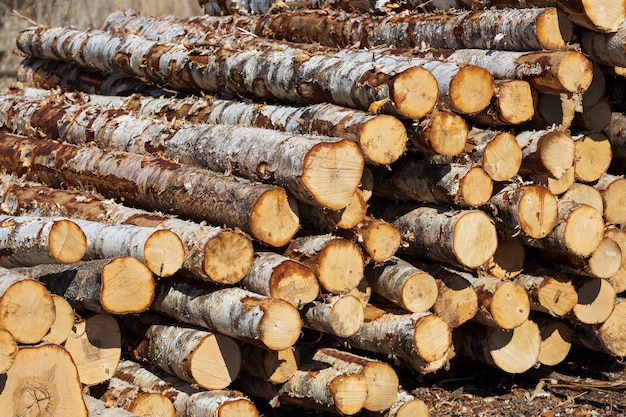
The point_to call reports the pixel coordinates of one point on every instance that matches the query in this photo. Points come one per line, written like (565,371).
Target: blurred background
(81,14)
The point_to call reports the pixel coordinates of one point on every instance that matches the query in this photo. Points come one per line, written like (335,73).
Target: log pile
(188,202)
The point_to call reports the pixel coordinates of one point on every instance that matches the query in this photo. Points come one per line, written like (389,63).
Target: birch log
(210,360)
(137,400)
(378,239)
(584,194)
(275,366)
(497,153)
(8,350)
(408,91)
(556,186)
(405,405)
(403,284)
(464,238)
(211,253)
(618,281)
(26,307)
(596,300)
(187,400)
(264,211)
(513,104)
(98,408)
(318,170)
(509,259)
(336,262)
(43,381)
(546,151)
(457,299)
(607,336)
(463,185)
(531,209)
(613,190)
(28,240)
(339,315)
(616,133)
(555,110)
(549,291)
(316,219)
(280,277)
(117,286)
(556,340)
(440,133)
(234,312)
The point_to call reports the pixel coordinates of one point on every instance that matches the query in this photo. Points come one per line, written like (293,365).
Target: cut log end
(332,171)
(457,301)
(593,156)
(295,283)
(475,239)
(610,334)
(67,242)
(575,72)
(516,351)
(584,230)
(605,261)
(508,261)
(346,316)
(274,219)
(556,186)
(445,135)
(42,382)
(216,362)
(152,404)
(164,253)
(63,322)
(556,342)
(502,157)
(537,212)
(340,266)
(596,299)
(476,187)
(415,92)
(238,407)
(510,306)
(554,29)
(127,286)
(557,153)
(614,199)
(27,311)
(383,139)
(584,194)
(349,393)
(382,383)
(281,325)
(558,296)
(227,257)
(8,350)
(419,292)
(471,90)
(605,15)
(381,240)
(432,338)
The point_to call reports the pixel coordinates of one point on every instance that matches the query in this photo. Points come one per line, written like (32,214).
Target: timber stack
(188,203)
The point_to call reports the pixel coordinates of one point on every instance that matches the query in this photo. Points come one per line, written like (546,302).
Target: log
(605,48)
(311,81)
(314,169)
(275,366)
(28,240)
(546,151)
(513,351)
(512,104)
(137,400)
(26,307)
(116,286)
(64,321)
(593,118)
(555,110)
(95,347)
(496,152)
(578,232)
(339,315)
(556,340)
(402,284)
(367,184)
(613,188)
(405,405)
(98,408)
(508,261)
(463,238)
(8,350)
(233,312)
(316,219)
(440,133)
(382,138)
(584,194)
(211,253)
(462,185)
(209,360)
(381,379)
(160,250)
(457,300)
(596,299)
(616,134)
(336,262)
(379,240)
(169,186)
(187,400)
(606,337)
(43,381)
(278,276)
(618,281)
(549,291)
(556,186)
(418,338)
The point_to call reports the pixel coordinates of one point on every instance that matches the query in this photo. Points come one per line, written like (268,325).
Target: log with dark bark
(117,286)
(43,381)
(463,238)
(463,185)
(96,347)
(234,312)
(187,399)
(211,253)
(318,170)
(26,307)
(137,400)
(209,360)
(264,211)
(406,91)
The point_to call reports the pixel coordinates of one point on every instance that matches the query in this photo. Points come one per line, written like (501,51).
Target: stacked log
(389,185)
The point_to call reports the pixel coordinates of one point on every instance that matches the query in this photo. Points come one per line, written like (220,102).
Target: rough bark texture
(234,312)
(313,79)
(117,286)
(99,408)
(211,253)
(43,381)
(137,399)
(317,170)
(158,184)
